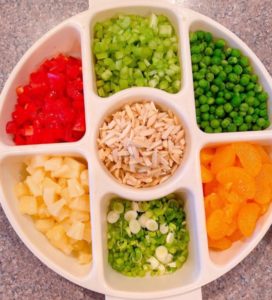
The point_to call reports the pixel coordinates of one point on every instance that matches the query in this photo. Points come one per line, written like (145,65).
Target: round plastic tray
(74,37)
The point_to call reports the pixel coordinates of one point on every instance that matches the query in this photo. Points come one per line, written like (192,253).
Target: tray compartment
(226,259)
(11,167)
(142,10)
(65,39)
(199,22)
(186,275)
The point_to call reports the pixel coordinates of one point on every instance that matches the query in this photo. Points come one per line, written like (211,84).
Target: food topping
(141,144)
(136,51)
(228,95)
(58,202)
(159,245)
(237,181)
(50,108)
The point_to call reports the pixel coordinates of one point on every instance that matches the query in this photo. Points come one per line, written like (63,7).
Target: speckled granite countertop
(22,22)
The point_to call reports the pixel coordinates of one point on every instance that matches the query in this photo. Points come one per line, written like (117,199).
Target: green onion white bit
(113,217)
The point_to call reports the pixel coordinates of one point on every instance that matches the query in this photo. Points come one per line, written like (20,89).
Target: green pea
(250,86)
(195,67)
(202,99)
(215,69)
(261,122)
(248,119)
(214,89)
(263,113)
(205,116)
(245,79)
(215,123)
(263,96)
(232,60)
(238,69)
(236,53)
(225,123)
(236,101)
(251,111)
(228,51)
(228,69)
(210,100)
(233,77)
(204,84)
(222,75)
(204,124)
(209,51)
(238,120)
(193,37)
(244,107)
(244,61)
(206,60)
(233,114)
(250,101)
(220,111)
(208,129)
(209,77)
(218,130)
(220,100)
(230,85)
(256,103)
(228,95)
(254,78)
(212,109)
(215,60)
(243,127)
(228,107)
(199,91)
(220,43)
(232,128)
(256,127)
(204,108)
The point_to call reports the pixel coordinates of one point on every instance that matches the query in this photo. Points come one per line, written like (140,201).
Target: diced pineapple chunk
(84,258)
(64,171)
(62,182)
(49,195)
(76,231)
(63,214)
(74,188)
(21,189)
(35,188)
(75,166)
(28,205)
(84,178)
(49,183)
(43,211)
(56,207)
(38,175)
(80,203)
(43,225)
(65,195)
(53,164)
(38,161)
(80,216)
(59,239)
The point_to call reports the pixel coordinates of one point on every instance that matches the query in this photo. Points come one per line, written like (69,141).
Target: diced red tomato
(50,109)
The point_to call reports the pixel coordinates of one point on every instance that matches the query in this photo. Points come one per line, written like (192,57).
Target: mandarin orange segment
(215,201)
(210,187)
(232,228)
(206,174)
(224,157)
(234,198)
(242,182)
(206,155)
(263,192)
(236,236)
(249,156)
(265,174)
(264,156)
(247,218)
(231,210)
(216,225)
(221,244)
(208,209)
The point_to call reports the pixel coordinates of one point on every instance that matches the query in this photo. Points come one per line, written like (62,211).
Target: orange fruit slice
(247,218)
(206,174)
(264,156)
(221,244)
(249,156)
(224,157)
(206,155)
(241,182)
(216,225)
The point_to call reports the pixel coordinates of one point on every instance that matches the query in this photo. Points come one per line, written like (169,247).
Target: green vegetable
(132,50)
(228,95)
(147,237)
